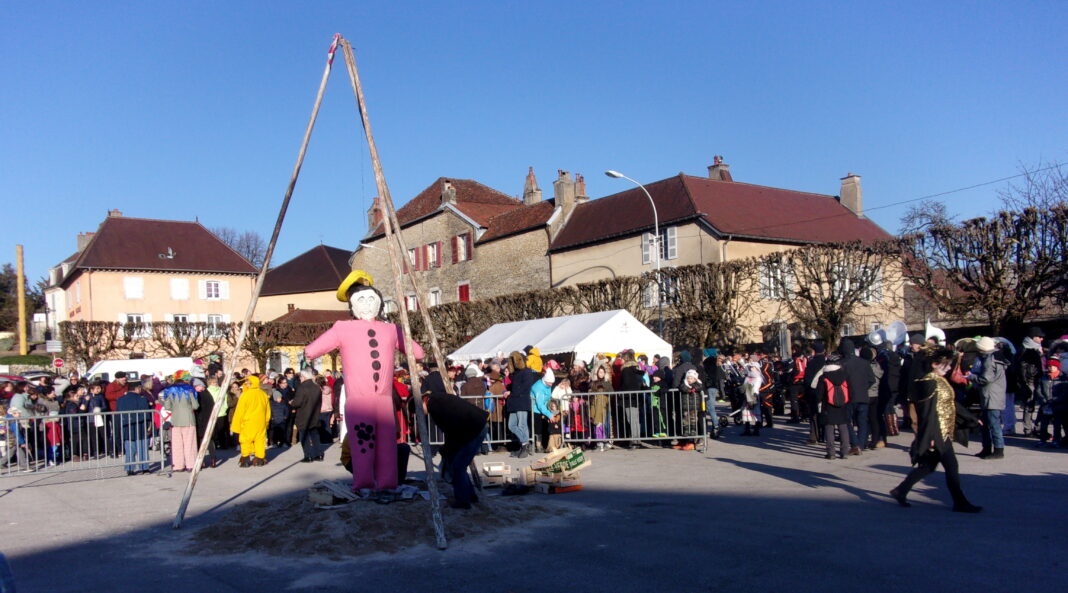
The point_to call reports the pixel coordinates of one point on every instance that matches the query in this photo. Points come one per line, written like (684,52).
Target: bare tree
(88,342)
(823,287)
(924,215)
(1004,268)
(250,244)
(708,302)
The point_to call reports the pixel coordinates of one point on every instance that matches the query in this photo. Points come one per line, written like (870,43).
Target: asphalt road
(750,514)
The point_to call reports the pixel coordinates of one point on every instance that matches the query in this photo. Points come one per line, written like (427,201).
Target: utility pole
(21,283)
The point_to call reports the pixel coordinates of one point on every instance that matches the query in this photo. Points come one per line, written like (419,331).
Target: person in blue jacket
(541,393)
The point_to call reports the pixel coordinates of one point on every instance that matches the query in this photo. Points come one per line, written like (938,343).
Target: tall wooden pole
(397,250)
(21,285)
(232,361)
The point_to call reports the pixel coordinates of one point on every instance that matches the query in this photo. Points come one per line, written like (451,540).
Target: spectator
(992,385)
(134,412)
(518,402)
(251,416)
(207,407)
(307,404)
(180,399)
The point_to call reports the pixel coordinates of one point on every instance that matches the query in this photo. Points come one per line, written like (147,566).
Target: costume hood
(516,361)
(534,360)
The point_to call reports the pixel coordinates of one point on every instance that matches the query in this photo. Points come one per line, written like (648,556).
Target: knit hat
(181,375)
(1054,362)
(986,344)
(917,339)
(1036,332)
(471,372)
(549,377)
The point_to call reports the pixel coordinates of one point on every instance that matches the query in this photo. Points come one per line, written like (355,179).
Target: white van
(135,367)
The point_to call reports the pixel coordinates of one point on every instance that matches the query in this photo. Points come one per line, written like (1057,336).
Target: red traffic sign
(57,362)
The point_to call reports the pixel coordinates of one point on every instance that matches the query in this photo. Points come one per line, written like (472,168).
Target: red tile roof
(313,316)
(518,220)
(477,201)
(123,243)
(320,268)
(740,210)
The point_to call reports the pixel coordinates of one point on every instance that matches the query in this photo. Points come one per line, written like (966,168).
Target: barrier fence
(90,441)
(608,418)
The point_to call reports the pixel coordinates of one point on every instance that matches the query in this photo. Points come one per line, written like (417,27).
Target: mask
(365,304)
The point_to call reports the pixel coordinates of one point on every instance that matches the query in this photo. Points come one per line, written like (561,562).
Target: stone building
(469,241)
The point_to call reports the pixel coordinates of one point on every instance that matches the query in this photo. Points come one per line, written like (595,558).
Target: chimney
(448,192)
(291,307)
(83,240)
(719,170)
(531,192)
(114,212)
(564,192)
(850,195)
(580,190)
(374,214)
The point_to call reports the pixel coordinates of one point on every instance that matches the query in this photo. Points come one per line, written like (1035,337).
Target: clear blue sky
(196,109)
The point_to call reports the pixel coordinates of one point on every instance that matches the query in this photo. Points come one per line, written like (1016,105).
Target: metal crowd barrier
(618,417)
(91,441)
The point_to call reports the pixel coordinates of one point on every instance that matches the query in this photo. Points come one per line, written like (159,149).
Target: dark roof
(313,316)
(518,220)
(739,210)
(123,243)
(320,268)
(476,201)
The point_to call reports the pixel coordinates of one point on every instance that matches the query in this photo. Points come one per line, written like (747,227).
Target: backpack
(837,395)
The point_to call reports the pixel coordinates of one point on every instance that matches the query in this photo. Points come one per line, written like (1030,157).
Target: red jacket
(113,392)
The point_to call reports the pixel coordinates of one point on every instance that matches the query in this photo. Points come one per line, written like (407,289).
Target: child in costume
(751,408)
(250,422)
(368,346)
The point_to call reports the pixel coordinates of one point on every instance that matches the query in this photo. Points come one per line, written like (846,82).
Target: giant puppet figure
(368,346)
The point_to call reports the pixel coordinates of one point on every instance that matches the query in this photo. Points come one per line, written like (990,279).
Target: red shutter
(469,244)
(464,293)
(426,257)
(438,263)
(455,246)
(418,259)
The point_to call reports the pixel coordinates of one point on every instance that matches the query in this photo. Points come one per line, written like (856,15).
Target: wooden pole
(397,250)
(232,361)
(21,286)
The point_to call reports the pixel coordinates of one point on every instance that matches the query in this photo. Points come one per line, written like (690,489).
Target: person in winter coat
(599,387)
(877,426)
(251,417)
(889,383)
(134,428)
(833,394)
(541,393)
(308,403)
(180,399)
(1031,369)
(279,415)
(632,379)
(464,427)
(992,385)
(811,401)
(534,361)
(207,406)
(495,402)
(861,378)
(518,404)
(937,413)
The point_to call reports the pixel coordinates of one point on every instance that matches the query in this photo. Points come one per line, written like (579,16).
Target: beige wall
(624,258)
(102,296)
(274,306)
(514,264)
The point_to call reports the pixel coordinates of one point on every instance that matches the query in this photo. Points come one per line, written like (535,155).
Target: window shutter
(426,257)
(133,287)
(672,242)
(168,317)
(438,254)
(455,245)
(469,245)
(179,289)
(147,318)
(202,289)
(646,255)
(122,318)
(225,318)
(224,289)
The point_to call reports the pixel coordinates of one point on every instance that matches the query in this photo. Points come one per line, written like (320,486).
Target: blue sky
(196,109)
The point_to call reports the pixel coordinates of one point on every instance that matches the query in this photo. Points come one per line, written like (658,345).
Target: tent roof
(585,335)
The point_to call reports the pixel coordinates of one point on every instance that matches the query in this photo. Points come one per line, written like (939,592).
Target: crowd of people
(852,399)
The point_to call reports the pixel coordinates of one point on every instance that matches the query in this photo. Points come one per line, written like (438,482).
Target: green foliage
(29,359)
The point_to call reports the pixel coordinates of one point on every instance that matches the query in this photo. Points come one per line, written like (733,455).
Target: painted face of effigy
(365,304)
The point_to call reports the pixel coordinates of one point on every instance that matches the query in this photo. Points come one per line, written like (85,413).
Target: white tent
(585,335)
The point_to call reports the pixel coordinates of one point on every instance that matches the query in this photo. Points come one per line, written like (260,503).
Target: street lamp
(656,246)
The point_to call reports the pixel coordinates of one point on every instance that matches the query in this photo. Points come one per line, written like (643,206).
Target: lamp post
(656,246)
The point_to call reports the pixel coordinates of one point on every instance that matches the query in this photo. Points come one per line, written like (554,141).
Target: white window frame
(142,323)
(431,301)
(668,243)
(411,301)
(214,321)
(212,290)
(180,318)
(432,255)
(874,292)
(771,279)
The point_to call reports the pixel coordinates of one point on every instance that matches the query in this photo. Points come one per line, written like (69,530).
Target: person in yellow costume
(250,422)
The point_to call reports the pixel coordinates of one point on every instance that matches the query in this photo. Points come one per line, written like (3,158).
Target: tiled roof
(320,268)
(123,243)
(313,316)
(740,210)
(518,220)
(477,201)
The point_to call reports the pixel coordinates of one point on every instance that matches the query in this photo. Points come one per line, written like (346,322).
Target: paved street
(760,514)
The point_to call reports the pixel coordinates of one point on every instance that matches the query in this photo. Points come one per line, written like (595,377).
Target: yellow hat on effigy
(354,277)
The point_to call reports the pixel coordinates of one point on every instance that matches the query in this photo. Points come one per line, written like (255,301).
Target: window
(649,296)
(136,325)
(434,297)
(462,248)
(847,329)
(133,287)
(413,258)
(669,245)
(873,293)
(774,278)
(213,290)
(180,289)
(78,292)
(411,302)
(433,255)
(181,318)
(389,306)
(463,292)
(215,325)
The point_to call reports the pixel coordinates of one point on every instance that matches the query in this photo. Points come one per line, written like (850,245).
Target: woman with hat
(181,401)
(992,385)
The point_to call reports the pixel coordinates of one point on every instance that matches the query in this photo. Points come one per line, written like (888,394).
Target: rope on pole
(231,362)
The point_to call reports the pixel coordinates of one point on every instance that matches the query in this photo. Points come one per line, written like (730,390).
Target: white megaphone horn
(897,333)
(936,333)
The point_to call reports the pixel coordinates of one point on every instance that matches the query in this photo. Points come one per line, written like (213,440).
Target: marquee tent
(585,335)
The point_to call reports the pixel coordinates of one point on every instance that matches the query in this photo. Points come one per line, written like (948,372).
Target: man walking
(307,403)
